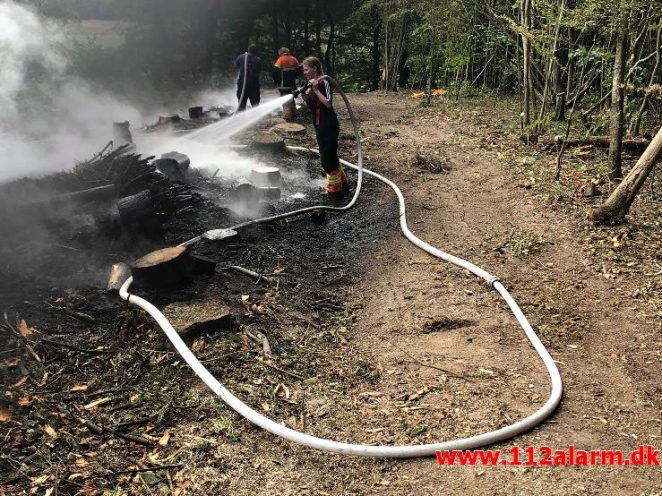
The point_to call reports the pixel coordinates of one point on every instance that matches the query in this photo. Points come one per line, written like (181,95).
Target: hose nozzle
(301,91)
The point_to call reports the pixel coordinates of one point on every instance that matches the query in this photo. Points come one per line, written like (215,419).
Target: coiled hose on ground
(403,451)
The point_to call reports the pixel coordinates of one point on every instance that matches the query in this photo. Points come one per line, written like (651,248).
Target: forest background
(591,65)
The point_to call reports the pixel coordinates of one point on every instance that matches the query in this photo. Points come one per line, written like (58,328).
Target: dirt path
(417,310)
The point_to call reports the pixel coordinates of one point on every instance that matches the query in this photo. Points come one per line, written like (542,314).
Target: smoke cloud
(52,119)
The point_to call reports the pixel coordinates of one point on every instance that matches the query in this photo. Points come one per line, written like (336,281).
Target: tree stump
(287,128)
(268,143)
(269,193)
(164,267)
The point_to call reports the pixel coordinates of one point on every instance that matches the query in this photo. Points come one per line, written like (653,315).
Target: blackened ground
(53,292)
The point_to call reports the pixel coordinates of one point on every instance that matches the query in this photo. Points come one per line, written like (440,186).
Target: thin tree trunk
(397,55)
(616,207)
(330,42)
(553,62)
(617,94)
(211,29)
(526,64)
(387,23)
(318,29)
(275,32)
(376,32)
(658,54)
(306,27)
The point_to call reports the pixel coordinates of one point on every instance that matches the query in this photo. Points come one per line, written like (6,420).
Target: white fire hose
(404,451)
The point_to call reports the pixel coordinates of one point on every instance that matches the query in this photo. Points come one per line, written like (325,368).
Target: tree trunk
(275,32)
(616,207)
(553,61)
(376,31)
(288,29)
(397,56)
(617,93)
(330,42)
(318,29)
(526,64)
(211,28)
(387,59)
(306,28)
(658,54)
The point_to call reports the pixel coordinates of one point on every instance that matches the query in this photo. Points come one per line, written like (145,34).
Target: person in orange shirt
(286,70)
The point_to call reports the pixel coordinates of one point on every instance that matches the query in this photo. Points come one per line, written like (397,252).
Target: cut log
(164,267)
(636,144)
(183,161)
(192,318)
(268,143)
(195,112)
(137,214)
(121,134)
(170,167)
(119,273)
(265,177)
(268,193)
(287,128)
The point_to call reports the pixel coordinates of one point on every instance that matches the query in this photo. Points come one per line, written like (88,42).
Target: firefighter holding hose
(319,97)
(285,72)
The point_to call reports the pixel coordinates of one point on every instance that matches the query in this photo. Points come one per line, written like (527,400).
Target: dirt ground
(373,341)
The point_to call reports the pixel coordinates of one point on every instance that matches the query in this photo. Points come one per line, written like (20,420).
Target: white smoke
(51,119)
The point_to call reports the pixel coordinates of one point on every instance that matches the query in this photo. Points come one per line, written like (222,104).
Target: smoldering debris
(67,228)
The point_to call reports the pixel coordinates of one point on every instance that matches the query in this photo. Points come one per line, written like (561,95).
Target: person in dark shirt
(248,80)
(320,101)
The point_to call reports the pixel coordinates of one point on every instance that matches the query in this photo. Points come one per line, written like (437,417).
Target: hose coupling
(492,281)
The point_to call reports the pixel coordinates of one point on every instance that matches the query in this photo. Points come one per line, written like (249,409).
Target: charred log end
(195,112)
(165,267)
(138,215)
(171,168)
(193,318)
(203,265)
(183,161)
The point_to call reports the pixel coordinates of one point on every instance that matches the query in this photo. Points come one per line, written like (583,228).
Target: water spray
(405,451)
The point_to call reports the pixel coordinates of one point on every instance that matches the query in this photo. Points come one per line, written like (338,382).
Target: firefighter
(320,101)
(285,72)
(248,80)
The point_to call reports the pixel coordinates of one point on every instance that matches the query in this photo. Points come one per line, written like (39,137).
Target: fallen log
(192,318)
(163,267)
(634,144)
